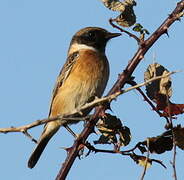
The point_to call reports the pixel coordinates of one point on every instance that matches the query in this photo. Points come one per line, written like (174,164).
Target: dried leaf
(178,133)
(161,86)
(168,108)
(109,124)
(161,101)
(104,140)
(160,91)
(113,131)
(142,160)
(160,144)
(173,109)
(142,149)
(127,17)
(124,136)
(165,84)
(116,5)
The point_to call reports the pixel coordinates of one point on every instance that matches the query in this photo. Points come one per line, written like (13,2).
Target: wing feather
(63,75)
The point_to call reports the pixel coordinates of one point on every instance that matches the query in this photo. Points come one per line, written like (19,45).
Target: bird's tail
(50,129)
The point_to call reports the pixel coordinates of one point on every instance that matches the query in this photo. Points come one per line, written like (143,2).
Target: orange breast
(88,78)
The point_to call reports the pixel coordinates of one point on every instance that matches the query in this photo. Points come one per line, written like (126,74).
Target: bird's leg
(71,131)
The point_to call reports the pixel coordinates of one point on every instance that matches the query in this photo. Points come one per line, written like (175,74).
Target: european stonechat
(83,77)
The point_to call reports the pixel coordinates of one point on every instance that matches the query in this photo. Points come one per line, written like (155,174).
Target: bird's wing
(64,73)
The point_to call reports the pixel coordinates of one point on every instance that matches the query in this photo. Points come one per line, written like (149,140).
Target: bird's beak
(112,35)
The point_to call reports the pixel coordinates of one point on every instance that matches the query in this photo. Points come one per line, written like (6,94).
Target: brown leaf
(173,109)
(124,136)
(161,101)
(178,133)
(160,91)
(161,86)
(142,160)
(109,124)
(168,108)
(127,17)
(160,144)
(113,131)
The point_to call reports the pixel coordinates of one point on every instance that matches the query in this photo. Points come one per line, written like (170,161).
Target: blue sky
(34,38)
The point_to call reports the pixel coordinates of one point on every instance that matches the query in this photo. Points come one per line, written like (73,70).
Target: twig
(147,157)
(92,148)
(174,163)
(132,154)
(29,136)
(135,147)
(148,81)
(24,128)
(133,83)
(122,30)
(159,162)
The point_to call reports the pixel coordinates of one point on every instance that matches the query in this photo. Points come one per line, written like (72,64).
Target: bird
(83,77)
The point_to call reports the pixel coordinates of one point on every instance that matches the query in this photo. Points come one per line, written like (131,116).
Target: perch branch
(92,104)
(24,128)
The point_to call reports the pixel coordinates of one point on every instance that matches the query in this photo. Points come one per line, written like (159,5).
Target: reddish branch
(133,83)
(144,46)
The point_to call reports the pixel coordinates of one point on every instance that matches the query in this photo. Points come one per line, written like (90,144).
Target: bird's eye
(91,35)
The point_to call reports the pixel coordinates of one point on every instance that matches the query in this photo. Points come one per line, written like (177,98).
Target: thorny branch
(119,84)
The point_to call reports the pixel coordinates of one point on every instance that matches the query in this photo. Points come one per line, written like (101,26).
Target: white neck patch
(77,47)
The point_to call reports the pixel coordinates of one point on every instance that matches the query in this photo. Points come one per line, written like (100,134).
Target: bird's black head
(94,37)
